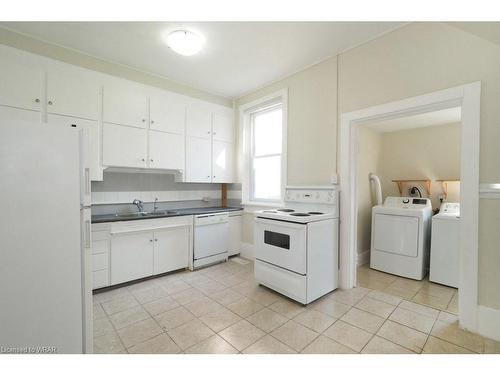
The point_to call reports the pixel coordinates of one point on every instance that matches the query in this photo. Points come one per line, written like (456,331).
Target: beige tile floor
(220,309)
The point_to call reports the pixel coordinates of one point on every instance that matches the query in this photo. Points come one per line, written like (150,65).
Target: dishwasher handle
(209,219)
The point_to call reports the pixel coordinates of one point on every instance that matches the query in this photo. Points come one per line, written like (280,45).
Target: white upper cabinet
(222,161)
(222,125)
(73,92)
(124,146)
(167,112)
(166,150)
(199,119)
(20,84)
(198,160)
(125,104)
(94,141)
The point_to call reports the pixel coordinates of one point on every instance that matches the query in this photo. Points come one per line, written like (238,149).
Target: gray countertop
(107,218)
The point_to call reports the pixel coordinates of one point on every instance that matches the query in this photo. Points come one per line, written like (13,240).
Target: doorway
(467,99)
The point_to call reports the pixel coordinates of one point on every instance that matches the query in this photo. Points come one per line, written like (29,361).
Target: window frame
(247,111)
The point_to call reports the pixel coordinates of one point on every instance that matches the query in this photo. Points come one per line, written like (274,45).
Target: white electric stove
(296,247)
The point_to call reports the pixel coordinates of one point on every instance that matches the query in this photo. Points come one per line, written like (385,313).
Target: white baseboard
(247,250)
(488,322)
(363,258)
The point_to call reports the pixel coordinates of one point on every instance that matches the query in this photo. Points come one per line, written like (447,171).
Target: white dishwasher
(211,238)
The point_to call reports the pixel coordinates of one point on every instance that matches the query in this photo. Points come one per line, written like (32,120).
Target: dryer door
(396,234)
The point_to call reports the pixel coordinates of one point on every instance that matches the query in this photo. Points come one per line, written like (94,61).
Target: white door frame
(468,97)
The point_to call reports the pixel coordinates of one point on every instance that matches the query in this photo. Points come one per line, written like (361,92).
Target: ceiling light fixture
(185,42)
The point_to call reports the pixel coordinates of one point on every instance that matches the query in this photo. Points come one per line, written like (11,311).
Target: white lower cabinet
(131,256)
(171,249)
(144,248)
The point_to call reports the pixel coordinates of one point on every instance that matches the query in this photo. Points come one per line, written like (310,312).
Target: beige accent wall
(428,153)
(369,155)
(413,60)
(312,127)
(422,58)
(73,57)
(425,153)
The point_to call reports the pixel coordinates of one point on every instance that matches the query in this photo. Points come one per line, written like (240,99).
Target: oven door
(281,243)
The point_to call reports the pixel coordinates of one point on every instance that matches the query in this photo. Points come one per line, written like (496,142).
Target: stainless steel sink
(146,214)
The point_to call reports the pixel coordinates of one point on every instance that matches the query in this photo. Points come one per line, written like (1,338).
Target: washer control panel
(450,208)
(407,202)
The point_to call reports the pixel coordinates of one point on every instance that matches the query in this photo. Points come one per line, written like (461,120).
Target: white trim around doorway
(468,98)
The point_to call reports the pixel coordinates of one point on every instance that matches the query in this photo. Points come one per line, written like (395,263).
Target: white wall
(370,148)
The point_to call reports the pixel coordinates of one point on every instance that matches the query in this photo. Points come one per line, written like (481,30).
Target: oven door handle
(280,223)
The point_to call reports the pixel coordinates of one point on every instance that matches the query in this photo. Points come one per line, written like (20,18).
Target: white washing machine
(401,236)
(445,248)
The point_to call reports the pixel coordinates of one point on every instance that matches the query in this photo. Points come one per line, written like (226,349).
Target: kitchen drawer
(283,281)
(101,227)
(100,262)
(150,224)
(100,279)
(101,246)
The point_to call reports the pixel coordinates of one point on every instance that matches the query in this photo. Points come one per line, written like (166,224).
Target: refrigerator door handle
(87,234)
(87,181)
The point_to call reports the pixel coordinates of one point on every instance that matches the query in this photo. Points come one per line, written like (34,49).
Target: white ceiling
(436,118)
(238,57)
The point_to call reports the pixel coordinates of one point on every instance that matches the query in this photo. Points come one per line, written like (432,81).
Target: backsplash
(125,187)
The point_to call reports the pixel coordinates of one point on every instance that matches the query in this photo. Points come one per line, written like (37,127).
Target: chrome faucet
(155,205)
(139,204)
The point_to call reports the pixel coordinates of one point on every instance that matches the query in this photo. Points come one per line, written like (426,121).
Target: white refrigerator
(45,244)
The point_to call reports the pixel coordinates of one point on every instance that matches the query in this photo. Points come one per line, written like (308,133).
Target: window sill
(257,204)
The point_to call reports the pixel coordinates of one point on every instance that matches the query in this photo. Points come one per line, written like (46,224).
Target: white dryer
(445,246)
(401,236)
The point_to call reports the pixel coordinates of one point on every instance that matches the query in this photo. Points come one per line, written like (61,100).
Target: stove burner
(315,213)
(285,210)
(299,214)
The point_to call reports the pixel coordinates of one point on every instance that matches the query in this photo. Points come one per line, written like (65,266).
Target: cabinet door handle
(143,120)
(208,132)
(214,133)
(152,122)
(156,239)
(37,100)
(151,159)
(150,240)
(49,102)
(143,159)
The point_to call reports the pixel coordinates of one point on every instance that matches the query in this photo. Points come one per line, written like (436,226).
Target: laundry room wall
(424,153)
(429,153)
(425,57)
(369,155)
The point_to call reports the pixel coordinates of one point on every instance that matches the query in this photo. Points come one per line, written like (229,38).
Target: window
(265,150)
